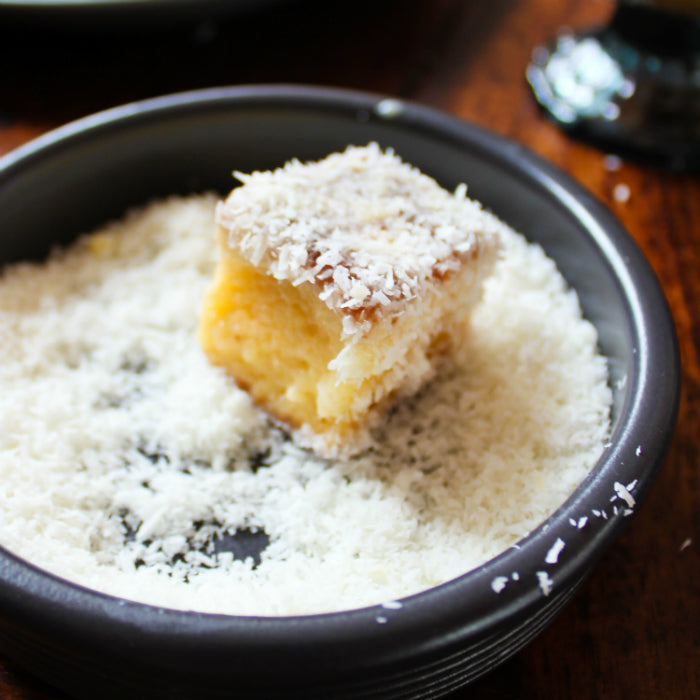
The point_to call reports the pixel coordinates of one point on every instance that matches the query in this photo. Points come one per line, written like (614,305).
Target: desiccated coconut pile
(128,463)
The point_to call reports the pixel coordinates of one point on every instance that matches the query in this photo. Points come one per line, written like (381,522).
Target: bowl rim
(469,605)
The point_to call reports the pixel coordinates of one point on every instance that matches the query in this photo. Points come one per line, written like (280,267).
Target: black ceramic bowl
(94,645)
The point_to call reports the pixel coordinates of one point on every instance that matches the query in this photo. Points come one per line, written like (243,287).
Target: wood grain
(634,629)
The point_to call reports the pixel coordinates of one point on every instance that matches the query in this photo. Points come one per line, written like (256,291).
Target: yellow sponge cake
(341,285)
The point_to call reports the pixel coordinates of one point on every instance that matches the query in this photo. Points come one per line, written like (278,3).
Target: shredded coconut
(498,585)
(624,494)
(552,556)
(346,224)
(545,582)
(132,466)
(621,192)
(612,163)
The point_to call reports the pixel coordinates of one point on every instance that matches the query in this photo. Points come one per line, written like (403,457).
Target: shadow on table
(69,69)
(63,70)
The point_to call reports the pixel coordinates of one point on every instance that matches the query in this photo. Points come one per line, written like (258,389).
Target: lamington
(341,286)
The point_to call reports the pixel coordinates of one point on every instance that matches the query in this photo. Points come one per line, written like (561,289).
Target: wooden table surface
(633,631)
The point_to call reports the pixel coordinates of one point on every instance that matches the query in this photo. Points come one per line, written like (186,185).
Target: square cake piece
(341,285)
